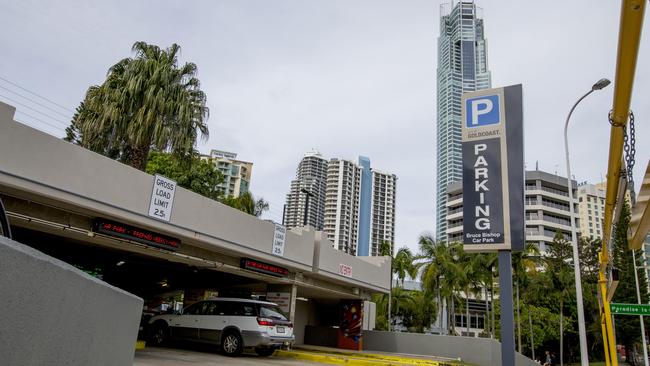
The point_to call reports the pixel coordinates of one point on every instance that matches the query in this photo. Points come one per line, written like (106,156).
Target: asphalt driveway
(202,356)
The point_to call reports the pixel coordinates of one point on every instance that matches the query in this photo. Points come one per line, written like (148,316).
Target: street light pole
(584,356)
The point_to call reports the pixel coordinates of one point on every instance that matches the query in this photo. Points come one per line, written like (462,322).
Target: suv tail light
(290,325)
(265,321)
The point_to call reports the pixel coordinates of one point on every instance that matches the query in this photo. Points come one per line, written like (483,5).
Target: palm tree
(441,273)
(146,102)
(523,262)
(403,265)
(246,202)
(433,259)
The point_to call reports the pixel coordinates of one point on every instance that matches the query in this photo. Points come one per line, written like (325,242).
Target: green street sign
(630,309)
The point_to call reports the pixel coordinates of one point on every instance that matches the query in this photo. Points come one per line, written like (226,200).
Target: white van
(232,324)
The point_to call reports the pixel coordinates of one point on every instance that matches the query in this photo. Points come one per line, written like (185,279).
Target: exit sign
(630,309)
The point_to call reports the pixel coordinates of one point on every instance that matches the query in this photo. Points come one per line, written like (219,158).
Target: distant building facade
(591,207)
(384,189)
(236,173)
(309,185)
(342,204)
(358,203)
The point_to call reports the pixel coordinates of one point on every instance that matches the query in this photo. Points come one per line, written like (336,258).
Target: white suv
(230,323)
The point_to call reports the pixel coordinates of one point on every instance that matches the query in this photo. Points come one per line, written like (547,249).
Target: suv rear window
(272,312)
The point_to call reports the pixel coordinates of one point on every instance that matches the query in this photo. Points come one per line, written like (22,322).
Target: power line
(37,127)
(35,102)
(42,97)
(65,124)
(58,128)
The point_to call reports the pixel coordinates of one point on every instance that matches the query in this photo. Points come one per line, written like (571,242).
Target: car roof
(241,300)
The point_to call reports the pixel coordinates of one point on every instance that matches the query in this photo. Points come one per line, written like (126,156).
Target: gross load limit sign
(162,198)
(493,169)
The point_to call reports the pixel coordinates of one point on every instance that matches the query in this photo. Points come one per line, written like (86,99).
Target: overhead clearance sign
(493,169)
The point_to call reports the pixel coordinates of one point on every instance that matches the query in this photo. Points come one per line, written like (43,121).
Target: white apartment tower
(342,204)
(310,185)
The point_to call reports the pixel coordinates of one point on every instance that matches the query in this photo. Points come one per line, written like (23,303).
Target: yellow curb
(402,359)
(340,358)
(139,345)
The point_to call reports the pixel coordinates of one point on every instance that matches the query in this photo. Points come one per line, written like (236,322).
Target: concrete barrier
(477,351)
(54,314)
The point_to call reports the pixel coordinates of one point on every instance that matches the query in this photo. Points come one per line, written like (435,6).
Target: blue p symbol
(482,111)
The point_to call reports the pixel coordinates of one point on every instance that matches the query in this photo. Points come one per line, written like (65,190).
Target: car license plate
(280,329)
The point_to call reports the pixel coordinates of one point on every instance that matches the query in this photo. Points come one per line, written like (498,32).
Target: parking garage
(93,213)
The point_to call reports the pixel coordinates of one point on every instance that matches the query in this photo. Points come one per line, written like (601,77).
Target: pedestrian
(553,359)
(547,361)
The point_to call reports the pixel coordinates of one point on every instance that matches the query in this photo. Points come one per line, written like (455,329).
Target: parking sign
(493,169)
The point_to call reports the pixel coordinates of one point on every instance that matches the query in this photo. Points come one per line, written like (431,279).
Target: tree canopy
(146,102)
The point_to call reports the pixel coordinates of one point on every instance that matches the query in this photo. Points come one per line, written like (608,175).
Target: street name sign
(493,169)
(162,198)
(629,309)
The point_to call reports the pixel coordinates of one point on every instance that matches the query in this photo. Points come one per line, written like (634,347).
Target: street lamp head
(601,84)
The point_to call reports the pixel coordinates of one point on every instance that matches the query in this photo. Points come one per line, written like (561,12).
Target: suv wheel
(264,351)
(159,333)
(231,344)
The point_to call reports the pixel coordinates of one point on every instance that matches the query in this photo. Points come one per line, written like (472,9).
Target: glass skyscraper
(462,67)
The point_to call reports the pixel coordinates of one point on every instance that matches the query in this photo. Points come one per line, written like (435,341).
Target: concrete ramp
(54,314)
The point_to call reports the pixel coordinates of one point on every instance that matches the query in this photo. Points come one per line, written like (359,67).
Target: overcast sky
(346,77)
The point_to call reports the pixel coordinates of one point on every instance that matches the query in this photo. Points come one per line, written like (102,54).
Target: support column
(507,309)
(292,303)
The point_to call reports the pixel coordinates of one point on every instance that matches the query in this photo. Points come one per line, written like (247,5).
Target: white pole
(584,355)
(638,297)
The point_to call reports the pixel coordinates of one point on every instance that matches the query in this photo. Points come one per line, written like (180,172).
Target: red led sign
(142,236)
(265,268)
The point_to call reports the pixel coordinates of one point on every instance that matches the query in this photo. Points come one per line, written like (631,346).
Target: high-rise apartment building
(591,207)
(546,209)
(384,188)
(342,204)
(462,67)
(359,204)
(307,191)
(236,173)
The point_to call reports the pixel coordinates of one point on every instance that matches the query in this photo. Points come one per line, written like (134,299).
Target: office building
(236,173)
(546,209)
(462,67)
(306,198)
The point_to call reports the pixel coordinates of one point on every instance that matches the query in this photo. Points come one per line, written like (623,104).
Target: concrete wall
(53,314)
(478,351)
(370,272)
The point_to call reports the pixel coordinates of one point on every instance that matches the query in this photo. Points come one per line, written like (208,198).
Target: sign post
(493,188)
